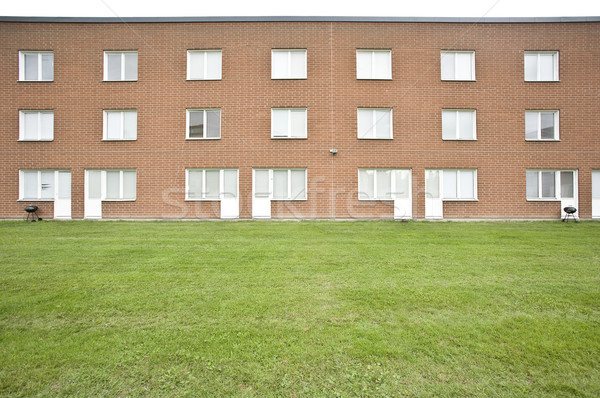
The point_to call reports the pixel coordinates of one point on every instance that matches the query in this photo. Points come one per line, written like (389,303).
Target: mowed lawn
(299,309)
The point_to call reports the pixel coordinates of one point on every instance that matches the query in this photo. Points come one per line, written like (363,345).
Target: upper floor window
(203,124)
(120,65)
(383,184)
(288,123)
(550,184)
(36,125)
(36,66)
(458,124)
(458,65)
(373,64)
(541,125)
(288,64)
(204,65)
(375,123)
(541,66)
(120,125)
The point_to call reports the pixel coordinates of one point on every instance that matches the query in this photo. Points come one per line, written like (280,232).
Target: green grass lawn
(299,309)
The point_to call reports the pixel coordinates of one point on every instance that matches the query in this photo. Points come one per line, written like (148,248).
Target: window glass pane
(596,184)
(383,124)
(531,67)
(463,66)
(449,125)
(381,68)
(214,124)
(113,181)
(47,184)
(449,177)
(280,184)
(298,123)
(448,72)
(548,182)
(213,178)
(298,64)
(230,183)
(402,184)
(113,65)
(465,125)
(384,184)
(547,125)
(30,184)
(467,184)
(532,185)
(261,183)
(213,68)
(298,182)
(131,66)
(31,66)
(279,67)
(47,125)
(130,125)
(95,185)
(113,128)
(566,184)
(196,120)
(195,184)
(546,66)
(432,183)
(129,184)
(64,184)
(47,66)
(280,122)
(363,65)
(532,125)
(31,125)
(366,184)
(365,123)
(196,65)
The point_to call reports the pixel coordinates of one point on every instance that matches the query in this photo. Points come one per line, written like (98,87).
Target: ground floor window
(211,184)
(550,184)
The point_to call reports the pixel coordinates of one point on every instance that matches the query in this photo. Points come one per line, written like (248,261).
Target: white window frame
(392,183)
(539,130)
(39,185)
(289,184)
(374,128)
(22,114)
(205,68)
(555,66)
(203,193)
(557,184)
(361,76)
(289,127)
(205,120)
(122,132)
(458,193)
(444,52)
(289,71)
(39,71)
(122,53)
(104,184)
(456,128)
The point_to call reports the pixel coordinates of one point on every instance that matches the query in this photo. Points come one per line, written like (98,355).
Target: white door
(230,203)
(62,199)
(402,188)
(568,191)
(93,194)
(261,194)
(434,206)
(595,193)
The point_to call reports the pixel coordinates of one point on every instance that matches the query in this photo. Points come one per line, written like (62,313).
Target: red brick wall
(331,95)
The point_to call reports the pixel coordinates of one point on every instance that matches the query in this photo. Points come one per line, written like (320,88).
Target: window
(44,184)
(120,125)
(550,184)
(383,184)
(458,65)
(288,64)
(541,66)
(373,64)
(280,184)
(374,123)
(288,123)
(120,65)
(541,125)
(36,125)
(459,184)
(204,65)
(203,123)
(458,124)
(112,185)
(36,66)
(211,184)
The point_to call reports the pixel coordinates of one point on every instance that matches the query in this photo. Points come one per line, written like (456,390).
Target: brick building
(300,117)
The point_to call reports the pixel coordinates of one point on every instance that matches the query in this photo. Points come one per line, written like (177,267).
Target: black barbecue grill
(32,213)
(570,212)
